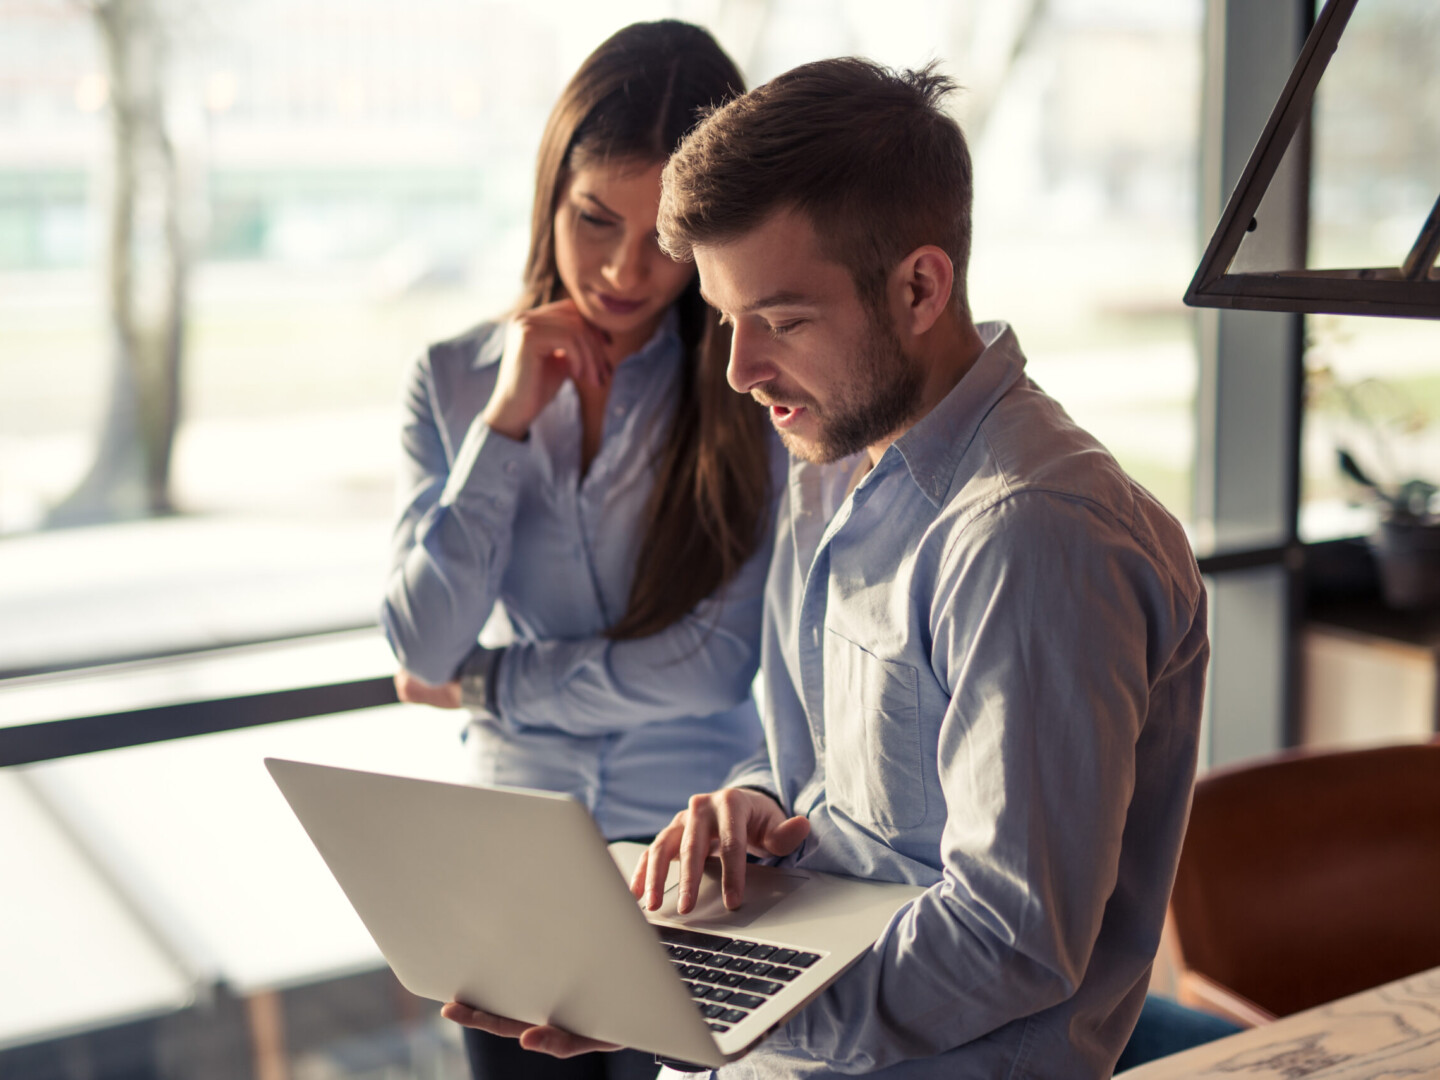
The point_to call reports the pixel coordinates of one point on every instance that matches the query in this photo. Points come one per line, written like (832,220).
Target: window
(1373,384)
(355,178)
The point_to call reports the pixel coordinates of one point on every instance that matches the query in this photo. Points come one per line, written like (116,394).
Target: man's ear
(920,289)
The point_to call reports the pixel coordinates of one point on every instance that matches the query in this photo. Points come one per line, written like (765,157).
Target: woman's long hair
(633,100)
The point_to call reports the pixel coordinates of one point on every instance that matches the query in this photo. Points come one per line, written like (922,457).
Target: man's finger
(465,1016)
(539,1037)
(637,876)
(732,827)
(557,1042)
(661,854)
(788,835)
(694,850)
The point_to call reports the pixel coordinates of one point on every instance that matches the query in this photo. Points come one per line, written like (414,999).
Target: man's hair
(865,152)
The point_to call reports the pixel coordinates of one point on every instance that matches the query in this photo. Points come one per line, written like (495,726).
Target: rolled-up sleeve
(756,772)
(452,541)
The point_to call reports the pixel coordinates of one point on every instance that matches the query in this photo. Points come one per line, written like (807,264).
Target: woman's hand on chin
(543,347)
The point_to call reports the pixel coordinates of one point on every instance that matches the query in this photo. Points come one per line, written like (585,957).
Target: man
(984,647)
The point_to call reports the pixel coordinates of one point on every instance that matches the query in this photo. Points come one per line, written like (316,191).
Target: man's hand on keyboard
(729,823)
(542,1038)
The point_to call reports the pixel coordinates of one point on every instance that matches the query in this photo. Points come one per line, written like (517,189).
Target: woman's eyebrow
(596,200)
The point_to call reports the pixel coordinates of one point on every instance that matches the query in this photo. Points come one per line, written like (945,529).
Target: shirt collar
(933,447)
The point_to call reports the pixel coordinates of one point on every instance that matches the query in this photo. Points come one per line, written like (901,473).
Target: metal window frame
(1408,290)
(1247,460)
(26,744)
(1248,402)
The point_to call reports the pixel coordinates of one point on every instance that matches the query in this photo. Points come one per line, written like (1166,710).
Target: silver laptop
(510,901)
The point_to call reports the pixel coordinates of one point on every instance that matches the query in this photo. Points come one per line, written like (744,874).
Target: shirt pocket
(874,767)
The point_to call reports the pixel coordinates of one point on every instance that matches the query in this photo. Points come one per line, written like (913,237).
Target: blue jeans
(1166,1028)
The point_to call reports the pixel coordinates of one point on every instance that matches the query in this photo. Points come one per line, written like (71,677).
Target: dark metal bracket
(1411,290)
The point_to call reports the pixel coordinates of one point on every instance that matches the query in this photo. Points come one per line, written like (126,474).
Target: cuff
(757,777)
(488,470)
(762,791)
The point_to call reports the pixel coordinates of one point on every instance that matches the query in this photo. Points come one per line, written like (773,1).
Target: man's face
(832,373)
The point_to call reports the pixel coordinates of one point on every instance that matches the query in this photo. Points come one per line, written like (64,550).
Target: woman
(583,473)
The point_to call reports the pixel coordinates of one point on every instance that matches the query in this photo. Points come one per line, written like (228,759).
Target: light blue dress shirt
(982,673)
(632,728)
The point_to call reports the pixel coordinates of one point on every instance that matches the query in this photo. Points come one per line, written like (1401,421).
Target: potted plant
(1407,542)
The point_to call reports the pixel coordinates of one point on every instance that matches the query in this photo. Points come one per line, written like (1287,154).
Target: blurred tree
(147,274)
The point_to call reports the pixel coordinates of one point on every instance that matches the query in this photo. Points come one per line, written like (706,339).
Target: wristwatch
(477,679)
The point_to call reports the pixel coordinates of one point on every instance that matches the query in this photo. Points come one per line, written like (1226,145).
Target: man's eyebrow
(782,298)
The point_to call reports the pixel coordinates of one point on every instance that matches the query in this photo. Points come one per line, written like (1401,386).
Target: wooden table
(1389,1033)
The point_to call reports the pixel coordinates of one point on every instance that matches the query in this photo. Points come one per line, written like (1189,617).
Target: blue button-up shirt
(632,728)
(982,672)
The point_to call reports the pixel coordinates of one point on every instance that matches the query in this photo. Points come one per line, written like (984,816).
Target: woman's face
(607,252)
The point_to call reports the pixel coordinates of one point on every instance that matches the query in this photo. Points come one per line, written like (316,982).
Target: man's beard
(883,392)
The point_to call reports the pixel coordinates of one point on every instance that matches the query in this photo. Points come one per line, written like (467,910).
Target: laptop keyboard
(728,977)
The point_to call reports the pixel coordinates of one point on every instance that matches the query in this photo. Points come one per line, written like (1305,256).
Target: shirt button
(617,410)
(512,467)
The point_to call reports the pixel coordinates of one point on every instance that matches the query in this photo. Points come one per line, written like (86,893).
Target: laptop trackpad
(765,886)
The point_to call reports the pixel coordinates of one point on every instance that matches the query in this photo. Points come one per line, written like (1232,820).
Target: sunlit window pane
(1373,384)
(353,180)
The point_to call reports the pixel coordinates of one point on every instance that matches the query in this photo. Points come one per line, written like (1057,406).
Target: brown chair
(1308,877)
